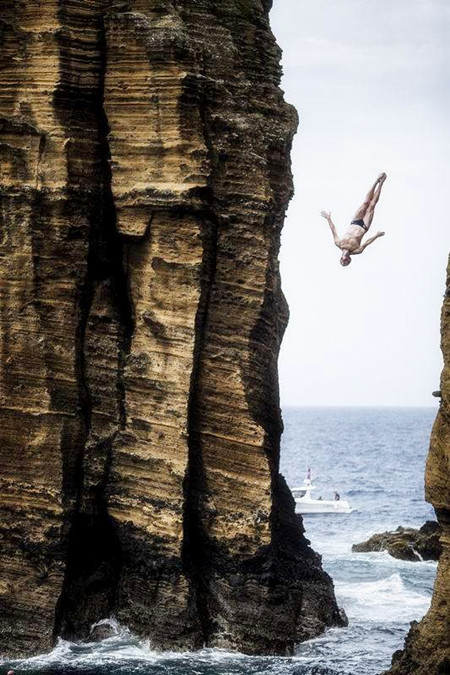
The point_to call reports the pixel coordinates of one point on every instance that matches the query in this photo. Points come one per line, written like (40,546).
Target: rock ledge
(406,543)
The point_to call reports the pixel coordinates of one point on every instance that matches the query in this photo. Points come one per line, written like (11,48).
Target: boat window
(300,493)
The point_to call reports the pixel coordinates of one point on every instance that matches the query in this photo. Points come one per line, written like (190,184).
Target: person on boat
(337,496)
(351,243)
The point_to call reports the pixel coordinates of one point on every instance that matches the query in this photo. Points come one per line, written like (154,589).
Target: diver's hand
(326,215)
(381,234)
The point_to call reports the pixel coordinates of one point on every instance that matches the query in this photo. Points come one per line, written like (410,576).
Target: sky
(370,81)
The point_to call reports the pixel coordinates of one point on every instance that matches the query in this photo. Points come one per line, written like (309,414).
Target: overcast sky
(370,81)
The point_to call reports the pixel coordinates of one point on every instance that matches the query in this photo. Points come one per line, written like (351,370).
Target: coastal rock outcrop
(427,646)
(406,543)
(145,175)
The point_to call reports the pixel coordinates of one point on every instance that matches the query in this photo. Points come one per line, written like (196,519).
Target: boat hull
(319,506)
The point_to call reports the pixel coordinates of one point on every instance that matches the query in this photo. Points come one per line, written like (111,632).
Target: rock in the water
(315,670)
(101,631)
(427,646)
(406,543)
(145,177)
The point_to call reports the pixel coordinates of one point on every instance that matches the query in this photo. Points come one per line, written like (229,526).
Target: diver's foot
(381,178)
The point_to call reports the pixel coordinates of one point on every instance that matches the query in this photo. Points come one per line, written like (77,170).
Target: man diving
(351,242)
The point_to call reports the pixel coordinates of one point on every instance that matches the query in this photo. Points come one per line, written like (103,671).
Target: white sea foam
(379,559)
(121,648)
(386,599)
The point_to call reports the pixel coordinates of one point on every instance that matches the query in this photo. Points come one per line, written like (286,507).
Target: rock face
(427,647)
(145,176)
(406,543)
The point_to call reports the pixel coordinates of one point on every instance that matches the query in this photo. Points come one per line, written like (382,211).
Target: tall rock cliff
(144,178)
(427,647)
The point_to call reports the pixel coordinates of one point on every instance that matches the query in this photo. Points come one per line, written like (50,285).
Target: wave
(381,559)
(385,600)
(123,653)
(337,652)
(356,492)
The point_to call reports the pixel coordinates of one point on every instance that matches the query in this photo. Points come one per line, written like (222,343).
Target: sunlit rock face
(427,647)
(144,180)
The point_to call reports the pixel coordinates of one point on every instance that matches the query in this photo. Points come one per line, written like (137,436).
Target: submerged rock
(406,543)
(102,631)
(315,670)
(145,177)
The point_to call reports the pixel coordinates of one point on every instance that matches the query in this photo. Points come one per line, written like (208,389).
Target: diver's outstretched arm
(368,242)
(327,217)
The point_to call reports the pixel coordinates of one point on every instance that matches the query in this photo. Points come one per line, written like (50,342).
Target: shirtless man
(351,242)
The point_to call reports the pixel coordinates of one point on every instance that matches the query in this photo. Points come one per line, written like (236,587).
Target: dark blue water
(375,458)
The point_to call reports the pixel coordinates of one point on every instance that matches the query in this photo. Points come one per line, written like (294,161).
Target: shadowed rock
(406,543)
(101,631)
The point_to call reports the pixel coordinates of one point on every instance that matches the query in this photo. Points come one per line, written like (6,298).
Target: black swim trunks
(361,223)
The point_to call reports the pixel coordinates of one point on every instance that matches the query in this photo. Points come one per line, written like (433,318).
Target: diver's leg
(368,216)
(360,213)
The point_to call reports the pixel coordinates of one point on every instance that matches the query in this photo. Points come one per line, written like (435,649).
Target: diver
(351,242)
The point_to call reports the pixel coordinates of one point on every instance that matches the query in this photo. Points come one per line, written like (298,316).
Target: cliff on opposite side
(427,646)
(144,150)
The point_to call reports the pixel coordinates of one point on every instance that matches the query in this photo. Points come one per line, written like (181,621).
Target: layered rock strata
(427,647)
(145,175)
(406,543)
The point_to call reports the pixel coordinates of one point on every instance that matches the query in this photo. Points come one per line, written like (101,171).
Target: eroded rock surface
(427,647)
(145,176)
(406,543)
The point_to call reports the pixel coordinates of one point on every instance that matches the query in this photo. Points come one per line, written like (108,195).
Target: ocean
(375,458)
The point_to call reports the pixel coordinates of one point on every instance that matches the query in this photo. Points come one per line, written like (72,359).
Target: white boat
(305,504)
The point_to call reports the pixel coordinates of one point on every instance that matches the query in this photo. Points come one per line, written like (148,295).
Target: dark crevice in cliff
(196,547)
(94,562)
(94,557)
(115,250)
(195,541)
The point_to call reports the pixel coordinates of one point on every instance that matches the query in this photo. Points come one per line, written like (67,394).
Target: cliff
(427,646)
(145,175)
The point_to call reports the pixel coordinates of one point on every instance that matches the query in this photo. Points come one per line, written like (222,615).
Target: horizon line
(349,405)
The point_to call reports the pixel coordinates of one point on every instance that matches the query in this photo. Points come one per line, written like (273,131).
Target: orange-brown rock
(144,180)
(427,646)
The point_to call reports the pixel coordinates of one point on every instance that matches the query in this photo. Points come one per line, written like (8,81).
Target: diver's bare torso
(351,241)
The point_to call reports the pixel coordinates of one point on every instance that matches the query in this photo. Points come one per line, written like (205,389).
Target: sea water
(375,458)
